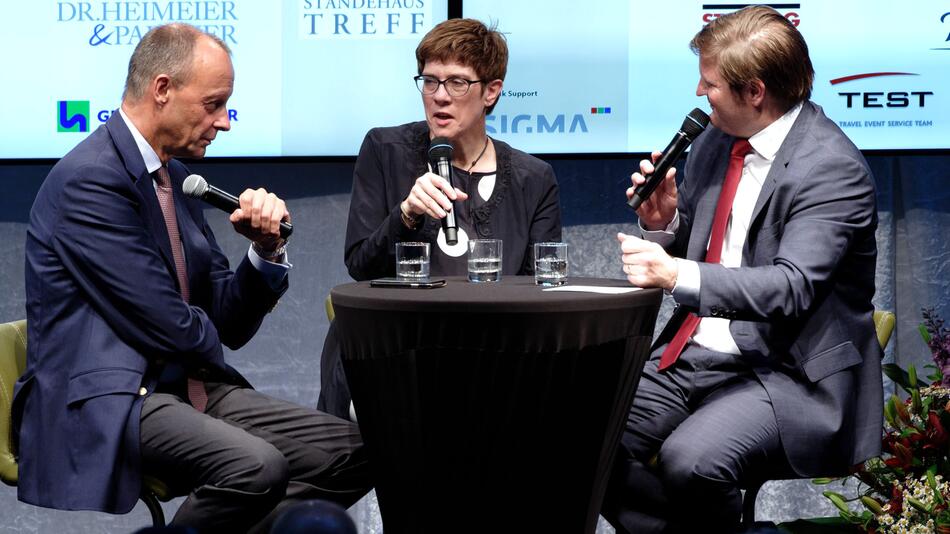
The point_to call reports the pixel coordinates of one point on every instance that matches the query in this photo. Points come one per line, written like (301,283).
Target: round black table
(492,407)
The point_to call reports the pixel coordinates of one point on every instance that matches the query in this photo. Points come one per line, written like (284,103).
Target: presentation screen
(311,76)
(618,76)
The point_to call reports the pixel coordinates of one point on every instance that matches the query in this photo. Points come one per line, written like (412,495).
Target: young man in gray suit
(769,367)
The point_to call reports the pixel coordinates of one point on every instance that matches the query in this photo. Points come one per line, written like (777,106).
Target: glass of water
(550,264)
(412,260)
(484,260)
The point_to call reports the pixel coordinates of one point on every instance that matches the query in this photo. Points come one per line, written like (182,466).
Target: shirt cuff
(686,290)
(273,273)
(664,237)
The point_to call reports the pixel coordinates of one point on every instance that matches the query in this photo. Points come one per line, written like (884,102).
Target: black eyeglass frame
(422,78)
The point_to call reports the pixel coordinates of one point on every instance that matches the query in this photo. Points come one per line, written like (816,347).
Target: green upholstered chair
(884,326)
(328,306)
(12,365)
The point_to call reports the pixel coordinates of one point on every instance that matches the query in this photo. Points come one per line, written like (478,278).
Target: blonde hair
(757,42)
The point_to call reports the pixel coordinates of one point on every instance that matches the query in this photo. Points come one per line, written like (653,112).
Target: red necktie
(166,199)
(740,148)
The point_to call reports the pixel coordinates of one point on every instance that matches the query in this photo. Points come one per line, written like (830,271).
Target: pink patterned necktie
(740,148)
(166,199)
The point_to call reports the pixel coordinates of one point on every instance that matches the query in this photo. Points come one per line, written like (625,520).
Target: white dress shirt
(713,332)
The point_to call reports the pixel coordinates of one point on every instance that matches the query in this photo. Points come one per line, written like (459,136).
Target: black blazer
(523,209)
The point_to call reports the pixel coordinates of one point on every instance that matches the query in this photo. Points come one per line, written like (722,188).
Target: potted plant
(907,488)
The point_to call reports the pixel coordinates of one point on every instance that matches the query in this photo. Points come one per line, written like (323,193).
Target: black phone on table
(403,282)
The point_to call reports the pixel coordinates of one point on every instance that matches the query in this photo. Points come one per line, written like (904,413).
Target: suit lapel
(155,221)
(708,197)
(782,159)
(135,166)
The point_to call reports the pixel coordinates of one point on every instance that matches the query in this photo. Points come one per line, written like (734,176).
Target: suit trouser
(248,456)
(695,433)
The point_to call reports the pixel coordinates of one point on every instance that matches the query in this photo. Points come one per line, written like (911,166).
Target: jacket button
(143,391)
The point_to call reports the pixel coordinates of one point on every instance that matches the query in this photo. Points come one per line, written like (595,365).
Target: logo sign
(540,123)
(104,114)
(714,11)
(364,19)
(945,18)
(72,116)
(124,23)
(881,99)
(901,103)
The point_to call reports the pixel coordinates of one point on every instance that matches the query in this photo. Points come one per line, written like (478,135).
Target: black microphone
(694,125)
(197,187)
(440,158)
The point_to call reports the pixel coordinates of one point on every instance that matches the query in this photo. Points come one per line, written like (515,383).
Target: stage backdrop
(312,76)
(584,77)
(283,359)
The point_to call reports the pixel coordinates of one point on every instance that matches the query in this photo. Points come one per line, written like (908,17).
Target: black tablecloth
(492,407)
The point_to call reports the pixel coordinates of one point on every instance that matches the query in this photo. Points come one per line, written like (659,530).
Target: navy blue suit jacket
(800,303)
(105,314)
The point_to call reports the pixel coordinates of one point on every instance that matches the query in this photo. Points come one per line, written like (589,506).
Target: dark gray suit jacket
(800,304)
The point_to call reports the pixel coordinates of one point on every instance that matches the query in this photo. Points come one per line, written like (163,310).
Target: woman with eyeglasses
(499,193)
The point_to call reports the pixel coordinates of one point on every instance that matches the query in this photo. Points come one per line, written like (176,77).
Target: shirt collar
(152,162)
(768,140)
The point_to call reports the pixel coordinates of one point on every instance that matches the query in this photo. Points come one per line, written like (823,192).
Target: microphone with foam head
(197,187)
(440,159)
(693,125)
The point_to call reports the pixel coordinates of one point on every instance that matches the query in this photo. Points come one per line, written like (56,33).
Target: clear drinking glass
(484,260)
(412,260)
(550,264)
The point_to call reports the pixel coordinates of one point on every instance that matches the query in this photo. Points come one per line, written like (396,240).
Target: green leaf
(872,505)
(915,400)
(917,504)
(901,410)
(822,481)
(937,374)
(848,516)
(932,482)
(924,333)
(890,415)
(897,375)
(838,500)
(912,376)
